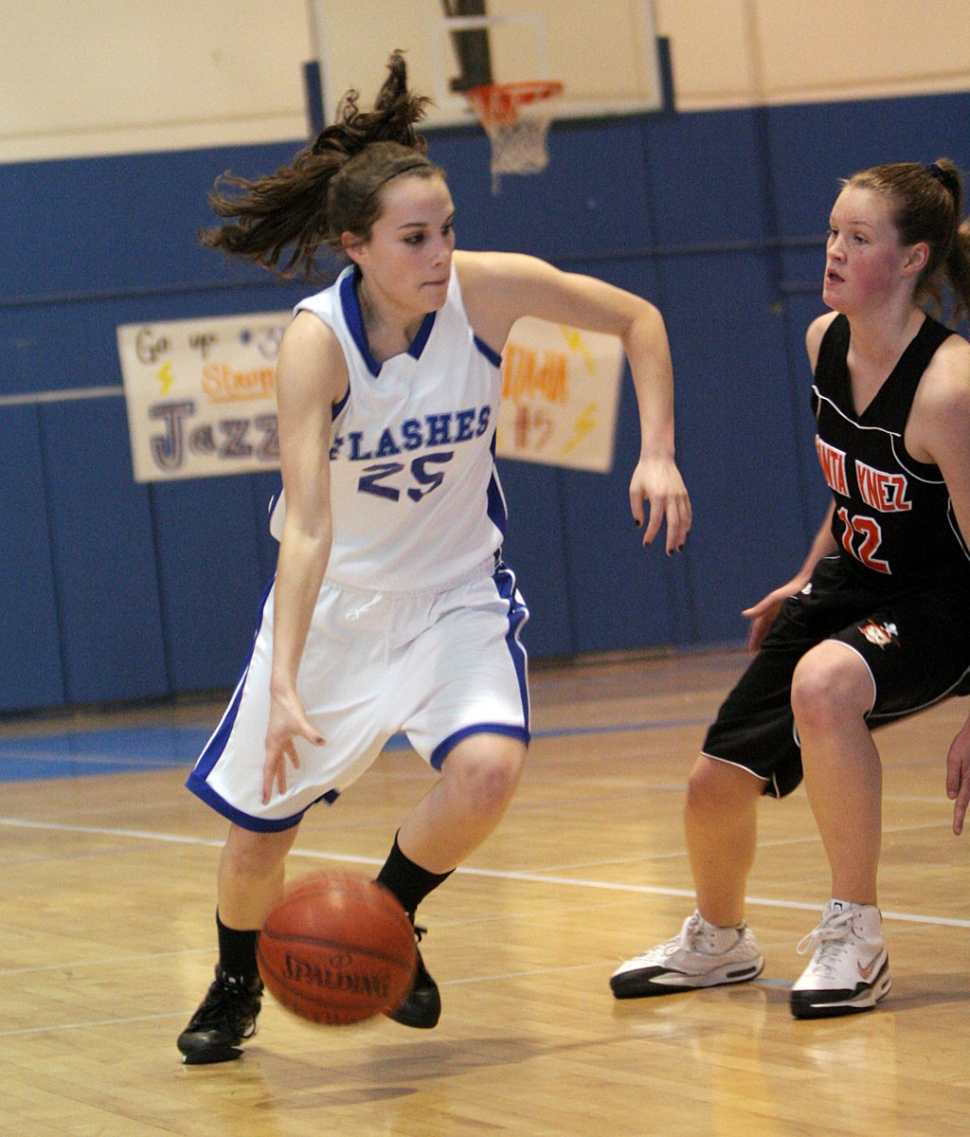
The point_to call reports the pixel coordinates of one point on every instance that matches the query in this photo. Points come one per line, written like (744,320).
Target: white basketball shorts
(438,666)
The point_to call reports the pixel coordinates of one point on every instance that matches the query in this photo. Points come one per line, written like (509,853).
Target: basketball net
(516,118)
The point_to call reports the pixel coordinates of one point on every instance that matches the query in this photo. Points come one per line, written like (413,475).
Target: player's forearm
(823,545)
(648,351)
(299,576)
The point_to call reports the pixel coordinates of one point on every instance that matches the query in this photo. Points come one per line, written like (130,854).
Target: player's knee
(256,854)
(485,770)
(496,778)
(715,788)
(829,684)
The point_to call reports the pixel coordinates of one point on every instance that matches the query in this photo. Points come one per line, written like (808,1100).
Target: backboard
(604,52)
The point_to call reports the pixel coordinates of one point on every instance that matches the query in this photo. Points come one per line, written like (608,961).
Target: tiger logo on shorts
(882,635)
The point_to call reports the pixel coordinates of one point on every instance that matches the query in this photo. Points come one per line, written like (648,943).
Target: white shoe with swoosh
(849,971)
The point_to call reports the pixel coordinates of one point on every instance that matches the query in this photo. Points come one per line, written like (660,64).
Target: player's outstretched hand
(958,776)
(287,720)
(658,481)
(762,615)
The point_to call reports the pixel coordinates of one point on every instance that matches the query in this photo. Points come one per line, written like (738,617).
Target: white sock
(724,936)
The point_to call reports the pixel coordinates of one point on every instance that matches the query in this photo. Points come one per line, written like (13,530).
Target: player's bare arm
(939,432)
(499,288)
(311,376)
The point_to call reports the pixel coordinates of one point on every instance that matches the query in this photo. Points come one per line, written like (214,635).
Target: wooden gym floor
(107,933)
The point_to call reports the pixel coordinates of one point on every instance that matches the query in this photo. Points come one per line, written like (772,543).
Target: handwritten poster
(560,395)
(201,395)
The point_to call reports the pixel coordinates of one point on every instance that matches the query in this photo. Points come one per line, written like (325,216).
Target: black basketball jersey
(893,519)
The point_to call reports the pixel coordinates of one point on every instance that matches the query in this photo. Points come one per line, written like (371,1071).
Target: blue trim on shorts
(443,749)
(244,820)
(217,743)
(196,781)
(504,580)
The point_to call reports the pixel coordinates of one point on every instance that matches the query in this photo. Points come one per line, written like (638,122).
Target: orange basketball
(337,949)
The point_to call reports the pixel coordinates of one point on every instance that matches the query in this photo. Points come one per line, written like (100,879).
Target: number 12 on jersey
(861,538)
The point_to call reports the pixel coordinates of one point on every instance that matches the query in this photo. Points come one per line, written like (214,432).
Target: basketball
(337,949)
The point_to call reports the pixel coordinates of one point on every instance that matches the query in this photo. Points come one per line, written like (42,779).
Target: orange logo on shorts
(882,635)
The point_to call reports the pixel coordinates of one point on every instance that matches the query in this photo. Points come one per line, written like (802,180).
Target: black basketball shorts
(915,642)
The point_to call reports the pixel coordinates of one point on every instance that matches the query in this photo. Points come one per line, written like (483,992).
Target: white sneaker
(849,971)
(703,955)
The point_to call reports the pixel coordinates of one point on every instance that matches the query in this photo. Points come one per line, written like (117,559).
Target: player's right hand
(958,776)
(762,615)
(287,720)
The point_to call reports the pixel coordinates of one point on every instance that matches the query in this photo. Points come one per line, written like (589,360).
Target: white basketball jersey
(414,493)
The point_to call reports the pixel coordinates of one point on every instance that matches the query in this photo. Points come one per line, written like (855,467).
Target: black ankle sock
(237,951)
(409,882)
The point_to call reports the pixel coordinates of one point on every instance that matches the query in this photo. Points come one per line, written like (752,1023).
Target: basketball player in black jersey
(875,626)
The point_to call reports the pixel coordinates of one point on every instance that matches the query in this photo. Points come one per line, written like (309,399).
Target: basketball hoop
(516,118)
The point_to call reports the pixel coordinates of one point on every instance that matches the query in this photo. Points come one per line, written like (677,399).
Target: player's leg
(341,676)
(251,870)
(833,691)
(479,779)
(469,718)
(721,829)
(889,658)
(714,945)
(749,751)
(909,653)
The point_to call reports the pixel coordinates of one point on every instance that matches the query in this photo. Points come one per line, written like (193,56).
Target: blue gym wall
(119,591)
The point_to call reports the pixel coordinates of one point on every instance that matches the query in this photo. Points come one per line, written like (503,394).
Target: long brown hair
(332,186)
(927,204)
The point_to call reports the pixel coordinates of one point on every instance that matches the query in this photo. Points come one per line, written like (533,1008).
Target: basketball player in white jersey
(391,608)
(875,626)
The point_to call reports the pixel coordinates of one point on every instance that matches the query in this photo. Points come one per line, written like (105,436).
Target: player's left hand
(958,776)
(658,481)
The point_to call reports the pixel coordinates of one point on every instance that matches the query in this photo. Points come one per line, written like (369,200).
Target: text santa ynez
(884,492)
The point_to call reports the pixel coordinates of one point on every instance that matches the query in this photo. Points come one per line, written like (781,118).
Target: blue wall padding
(119,591)
(104,556)
(30,662)
(210,577)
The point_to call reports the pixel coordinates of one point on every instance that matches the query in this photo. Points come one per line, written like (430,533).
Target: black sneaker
(422,1007)
(225,1017)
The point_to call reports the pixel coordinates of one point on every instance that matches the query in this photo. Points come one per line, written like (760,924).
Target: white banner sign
(201,395)
(560,395)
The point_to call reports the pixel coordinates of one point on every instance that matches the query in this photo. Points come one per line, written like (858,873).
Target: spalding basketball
(337,949)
